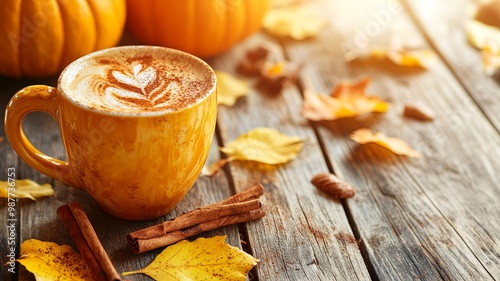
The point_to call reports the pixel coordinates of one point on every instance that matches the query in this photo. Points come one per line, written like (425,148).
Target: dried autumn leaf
(264,145)
(202,259)
(419,111)
(25,189)
(346,100)
(348,89)
(491,59)
(403,48)
(275,75)
(486,38)
(253,61)
(480,34)
(398,146)
(404,57)
(273,68)
(319,107)
(229,88)
(413,58)
(214,168)
(296,22)
(49,261)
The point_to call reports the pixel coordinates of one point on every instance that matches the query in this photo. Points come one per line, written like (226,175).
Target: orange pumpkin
(200,27)
(40,37)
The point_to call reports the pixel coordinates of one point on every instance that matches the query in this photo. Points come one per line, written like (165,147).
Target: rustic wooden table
(432,218)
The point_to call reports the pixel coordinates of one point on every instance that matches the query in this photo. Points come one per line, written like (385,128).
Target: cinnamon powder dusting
(134,82)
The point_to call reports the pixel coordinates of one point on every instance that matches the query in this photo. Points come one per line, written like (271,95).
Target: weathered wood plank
(425,219)
(444,24)
(415,216)
(304,235)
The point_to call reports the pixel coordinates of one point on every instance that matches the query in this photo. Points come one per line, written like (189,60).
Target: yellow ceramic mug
(137,123)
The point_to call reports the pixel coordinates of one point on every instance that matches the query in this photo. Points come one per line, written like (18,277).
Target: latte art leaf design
(137,86)
(139,79)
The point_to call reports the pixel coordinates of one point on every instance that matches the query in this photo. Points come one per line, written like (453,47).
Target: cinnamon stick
(241,207)
(81,231)
(195,217)
(143,245)
(252,193)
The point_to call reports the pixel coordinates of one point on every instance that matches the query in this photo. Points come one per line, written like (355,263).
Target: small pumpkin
(201,27)
(38,38)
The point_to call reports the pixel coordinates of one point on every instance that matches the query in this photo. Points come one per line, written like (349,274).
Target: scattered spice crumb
(346,237)
(272,75)
(419,111)
(333,186)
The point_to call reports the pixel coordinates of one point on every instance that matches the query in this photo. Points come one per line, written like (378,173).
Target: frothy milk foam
(137,80)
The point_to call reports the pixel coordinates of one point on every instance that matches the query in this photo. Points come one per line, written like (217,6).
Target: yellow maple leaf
(49,261)
(480,34)
(229,88)
(295,22)
(202,259)
(398,146)
(403,57)
(213,169)
(486,38)
(264,145)
(24,189)
(490,58)
(347,100)
(413,58)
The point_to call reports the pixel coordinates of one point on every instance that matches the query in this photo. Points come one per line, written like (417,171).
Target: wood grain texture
(434,218)
(305,234)
(444,24)
(416,217)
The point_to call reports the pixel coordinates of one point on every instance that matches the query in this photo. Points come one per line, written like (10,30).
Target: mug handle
(31,99)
